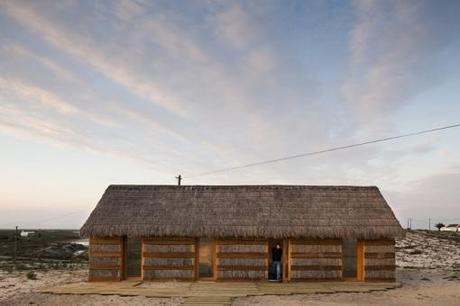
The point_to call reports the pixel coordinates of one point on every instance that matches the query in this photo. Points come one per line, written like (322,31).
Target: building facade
(226,233)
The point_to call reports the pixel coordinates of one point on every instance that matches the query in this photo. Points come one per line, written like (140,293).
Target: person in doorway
(277,253)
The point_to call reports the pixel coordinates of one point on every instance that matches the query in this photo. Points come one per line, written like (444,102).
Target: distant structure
(158,232)
(451,228)
(26,234)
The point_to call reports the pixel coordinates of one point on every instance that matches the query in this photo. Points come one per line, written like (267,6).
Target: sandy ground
(430,274)
(420,287)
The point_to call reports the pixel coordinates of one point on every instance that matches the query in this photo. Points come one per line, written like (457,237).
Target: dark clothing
(277,254)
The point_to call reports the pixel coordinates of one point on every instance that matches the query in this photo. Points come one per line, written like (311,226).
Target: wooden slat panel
(115,241)
(104,267)
(241,268)
(100,254)
(314,279)
(103,279)
(169,254)
(167,279)
(317,255)
(168,267)
(389,280)
(241,255)
(379,255)
(316,268)
(244,242)
(381,268)
(169,242)
(316,242)
(380,242)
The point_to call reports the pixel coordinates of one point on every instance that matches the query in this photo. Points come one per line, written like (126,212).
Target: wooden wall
(379,260)
(241,260)
(106,259)
(315,260)
(167,259)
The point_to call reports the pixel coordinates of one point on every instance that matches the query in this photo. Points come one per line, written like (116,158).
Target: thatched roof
(267,211)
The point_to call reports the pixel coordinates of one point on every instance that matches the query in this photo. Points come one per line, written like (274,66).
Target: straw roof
(267,211)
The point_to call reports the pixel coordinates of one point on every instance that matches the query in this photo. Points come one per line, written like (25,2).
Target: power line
(270,161)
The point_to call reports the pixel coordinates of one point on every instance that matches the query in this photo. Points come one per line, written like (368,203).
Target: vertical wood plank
(288,259)
(360,261)
(283,262)
(214,259)
(197,259)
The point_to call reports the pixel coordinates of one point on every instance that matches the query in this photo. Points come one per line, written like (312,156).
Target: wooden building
(227,232)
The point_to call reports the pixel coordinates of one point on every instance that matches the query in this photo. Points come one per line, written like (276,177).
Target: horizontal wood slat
(381,268)
(379,255)
(102,254)
(306,279)
(380,242)
(242,255)
(242,268)
(241,242)
(167,267)
(169,254)
(104,267)
(104,279)
(389,280)
(316,268)
(167,279)
(317,255)
(317,242)
(105,241)
(168,242)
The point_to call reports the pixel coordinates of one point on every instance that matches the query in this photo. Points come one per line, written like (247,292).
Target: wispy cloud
(17,88)
(394,47)
(76,45)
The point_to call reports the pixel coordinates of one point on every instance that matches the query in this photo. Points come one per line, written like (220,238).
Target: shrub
(31,275)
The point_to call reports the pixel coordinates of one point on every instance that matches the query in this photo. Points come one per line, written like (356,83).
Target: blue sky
(100,92)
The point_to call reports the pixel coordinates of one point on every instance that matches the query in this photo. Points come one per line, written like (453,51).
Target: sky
(94,93)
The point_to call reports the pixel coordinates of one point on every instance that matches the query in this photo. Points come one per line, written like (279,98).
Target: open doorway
(133,257)
(353,259)
(271,269)
(206,249)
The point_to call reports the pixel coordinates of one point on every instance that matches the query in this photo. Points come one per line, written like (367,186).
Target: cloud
(235,28)
(33,93)
(76,45)
(394,48)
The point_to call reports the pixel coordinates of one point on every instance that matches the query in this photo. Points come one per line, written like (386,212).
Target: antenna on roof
(179,179)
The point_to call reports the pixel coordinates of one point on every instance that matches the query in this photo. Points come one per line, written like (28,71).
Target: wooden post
(197,259)
(360,261)
(284,261)
(214,259)
(288,253)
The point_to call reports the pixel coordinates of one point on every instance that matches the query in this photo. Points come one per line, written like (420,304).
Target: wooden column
(360,261)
